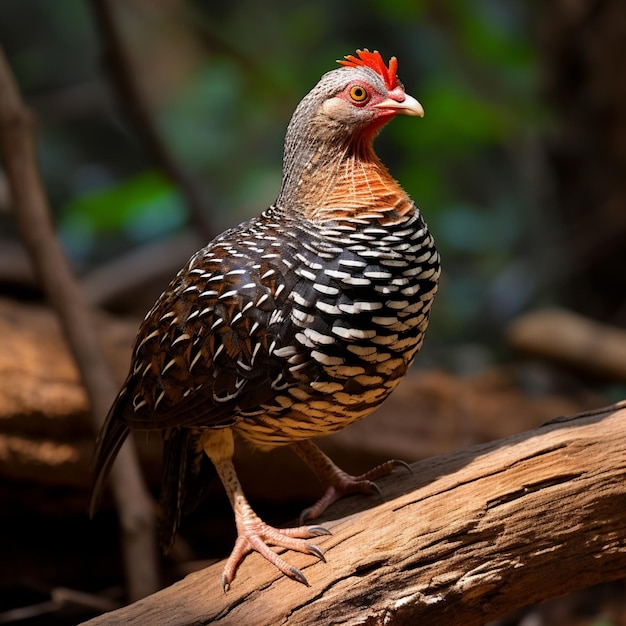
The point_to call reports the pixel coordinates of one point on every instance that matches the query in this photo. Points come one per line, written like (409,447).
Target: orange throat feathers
(356,188)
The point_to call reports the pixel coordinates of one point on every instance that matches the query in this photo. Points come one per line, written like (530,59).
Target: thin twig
(138,110)
(30,206)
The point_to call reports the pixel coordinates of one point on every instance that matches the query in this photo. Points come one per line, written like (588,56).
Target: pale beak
(408,106)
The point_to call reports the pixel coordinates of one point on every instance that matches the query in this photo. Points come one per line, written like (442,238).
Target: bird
(290,326)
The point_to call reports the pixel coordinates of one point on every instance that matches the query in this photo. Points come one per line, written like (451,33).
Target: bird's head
(356,99)
(338,120)
(372,93)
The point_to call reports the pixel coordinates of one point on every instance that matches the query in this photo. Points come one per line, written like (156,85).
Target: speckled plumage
(294,324)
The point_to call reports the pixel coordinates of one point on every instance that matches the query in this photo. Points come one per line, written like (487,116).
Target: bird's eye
(358,93)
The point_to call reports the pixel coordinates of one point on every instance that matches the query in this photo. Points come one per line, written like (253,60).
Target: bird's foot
(255,535)
(340,483)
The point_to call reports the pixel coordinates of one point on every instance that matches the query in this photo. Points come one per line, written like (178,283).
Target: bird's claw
(375,488)
(257,536)
(298,576)
(315,550)
(225,584)
(341,484)
(318,531)
(403,464)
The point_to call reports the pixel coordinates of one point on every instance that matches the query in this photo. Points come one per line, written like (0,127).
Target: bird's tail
(173,489)
(110,439)
(186,474)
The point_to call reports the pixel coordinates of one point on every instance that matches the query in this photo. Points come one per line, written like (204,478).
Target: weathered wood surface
(468,537)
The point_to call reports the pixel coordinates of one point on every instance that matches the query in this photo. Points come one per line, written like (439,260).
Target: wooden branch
(468,537)
(17,145)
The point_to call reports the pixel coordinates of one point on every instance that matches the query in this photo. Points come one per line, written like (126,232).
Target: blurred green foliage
(143,207)
(223,79)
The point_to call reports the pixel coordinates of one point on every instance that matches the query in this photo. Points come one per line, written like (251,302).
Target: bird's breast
(358,311)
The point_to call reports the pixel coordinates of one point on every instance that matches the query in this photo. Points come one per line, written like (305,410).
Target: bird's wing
(204,351)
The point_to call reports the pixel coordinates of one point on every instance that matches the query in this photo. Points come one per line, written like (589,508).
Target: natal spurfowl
(292,325)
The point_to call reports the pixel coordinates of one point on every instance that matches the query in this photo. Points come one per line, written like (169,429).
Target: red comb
(374,61)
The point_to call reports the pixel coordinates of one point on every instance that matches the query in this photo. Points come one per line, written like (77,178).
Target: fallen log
(466,538)
(567,338)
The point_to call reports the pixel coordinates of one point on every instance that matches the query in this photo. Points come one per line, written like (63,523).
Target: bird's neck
(339,182)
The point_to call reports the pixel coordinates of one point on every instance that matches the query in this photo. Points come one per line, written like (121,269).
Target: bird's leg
(252,532)
(338,483)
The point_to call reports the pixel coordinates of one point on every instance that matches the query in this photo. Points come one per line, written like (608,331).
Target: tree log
(567,338)
(468,537)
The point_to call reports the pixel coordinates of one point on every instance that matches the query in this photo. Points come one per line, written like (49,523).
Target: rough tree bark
(468,537)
